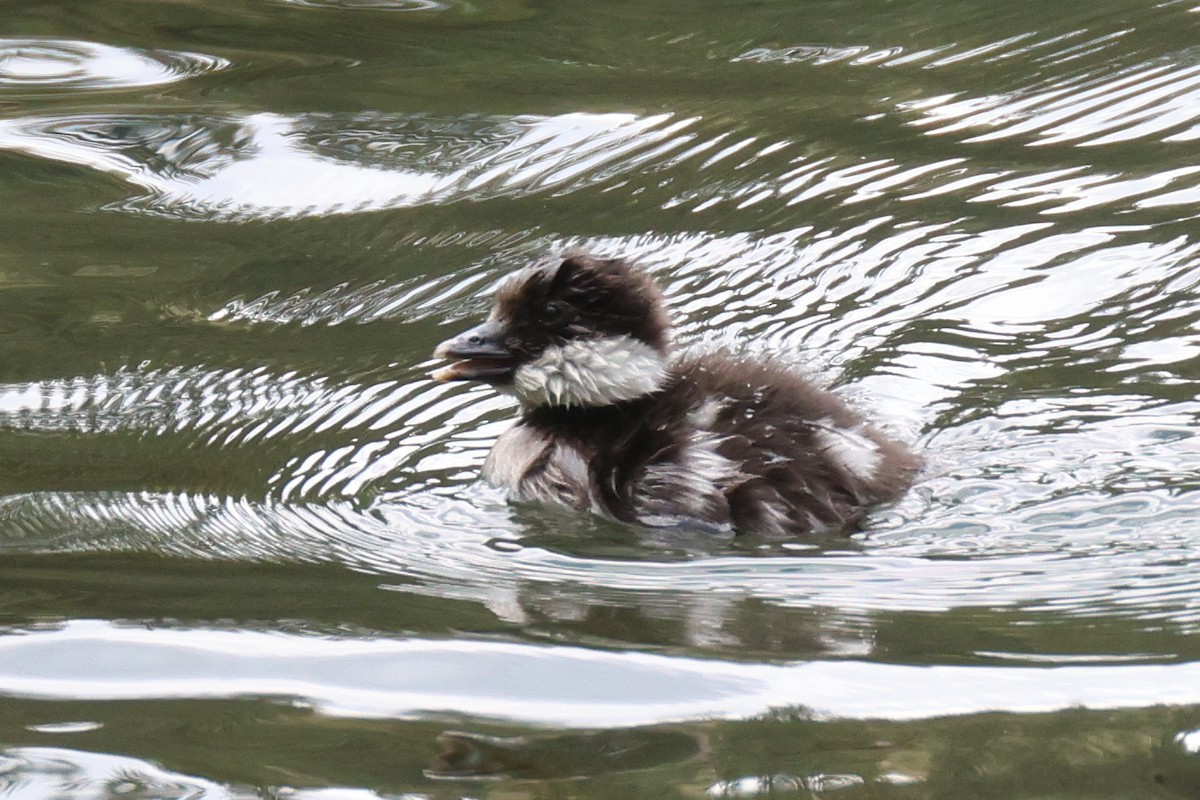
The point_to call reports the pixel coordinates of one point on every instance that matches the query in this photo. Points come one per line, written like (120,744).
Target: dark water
(243,551)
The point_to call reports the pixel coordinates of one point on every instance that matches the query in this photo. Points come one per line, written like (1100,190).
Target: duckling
(612,423)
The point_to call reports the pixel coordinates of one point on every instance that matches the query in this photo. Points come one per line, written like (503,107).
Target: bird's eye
(554,313)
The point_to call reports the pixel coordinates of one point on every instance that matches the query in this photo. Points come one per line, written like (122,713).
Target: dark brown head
(569,331)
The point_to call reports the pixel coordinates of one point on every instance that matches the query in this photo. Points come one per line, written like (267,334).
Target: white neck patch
(590,372)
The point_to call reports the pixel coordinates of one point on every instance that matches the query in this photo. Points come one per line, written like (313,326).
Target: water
(243,549)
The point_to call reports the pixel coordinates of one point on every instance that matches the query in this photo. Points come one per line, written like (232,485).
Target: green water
(243,547)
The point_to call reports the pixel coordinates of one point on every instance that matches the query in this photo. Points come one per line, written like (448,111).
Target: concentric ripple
(928,324)
(66,64)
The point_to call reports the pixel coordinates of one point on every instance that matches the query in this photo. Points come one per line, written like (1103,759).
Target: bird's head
(572,331)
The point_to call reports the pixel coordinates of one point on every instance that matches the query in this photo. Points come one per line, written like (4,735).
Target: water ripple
(817,182)
(1152,100)
(407,300)
(1027,45)
(325,439)
(1071,551)
(933,323)
(270,166)
(970,288)
(44,63)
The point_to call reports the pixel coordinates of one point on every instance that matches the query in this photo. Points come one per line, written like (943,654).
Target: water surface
(243,545)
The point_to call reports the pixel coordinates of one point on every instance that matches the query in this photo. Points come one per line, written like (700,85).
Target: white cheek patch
(591,372)
(855,453)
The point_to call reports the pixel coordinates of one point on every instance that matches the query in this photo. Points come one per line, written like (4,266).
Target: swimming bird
(611,422)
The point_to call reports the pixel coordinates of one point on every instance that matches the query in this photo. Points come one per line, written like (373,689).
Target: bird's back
(805,461)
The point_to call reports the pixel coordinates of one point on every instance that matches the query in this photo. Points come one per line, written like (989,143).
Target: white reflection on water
(46,772)
(276,166)
(61,773)
(1151,100)
(531,684)
(67,64)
